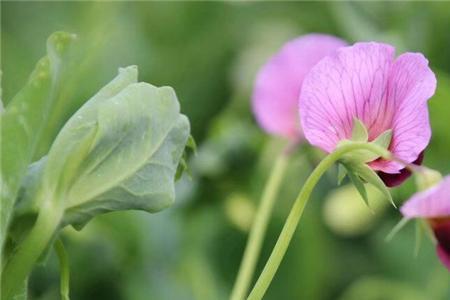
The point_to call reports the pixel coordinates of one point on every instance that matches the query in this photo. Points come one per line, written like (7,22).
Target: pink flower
(433,205)
(366,82)
(278,83)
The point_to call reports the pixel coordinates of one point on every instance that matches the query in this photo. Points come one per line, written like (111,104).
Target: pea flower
(433,205)
(365,84)
(279,81)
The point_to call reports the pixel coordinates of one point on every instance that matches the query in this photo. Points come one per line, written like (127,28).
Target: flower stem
(64,269)
(293,219)
(259,227)
(20,264)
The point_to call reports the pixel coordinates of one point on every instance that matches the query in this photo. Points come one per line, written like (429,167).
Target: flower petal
(278,83)
(411,84)
(431,203)
(393,180)
(350,84)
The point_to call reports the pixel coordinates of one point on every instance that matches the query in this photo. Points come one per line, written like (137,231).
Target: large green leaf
(24,118)
(120,151)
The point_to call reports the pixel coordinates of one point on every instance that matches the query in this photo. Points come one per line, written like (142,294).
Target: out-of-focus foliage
(209,53)
(347,215)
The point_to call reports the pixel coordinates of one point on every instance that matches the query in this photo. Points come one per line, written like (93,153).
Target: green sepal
(359,184)
(357,156)
(356,161)
(384,139)
(371,177)
(191,144)
(359,131)
(342,172)
(360,134)
(183,166)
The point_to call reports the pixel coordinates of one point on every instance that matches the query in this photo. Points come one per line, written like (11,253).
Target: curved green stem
(19,266)
(63,269)
(293,219)
(259,227)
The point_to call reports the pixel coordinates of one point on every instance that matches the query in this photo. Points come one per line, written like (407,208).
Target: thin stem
(259,227)
(19,266)
(396,229)
(63,269)
(293,219)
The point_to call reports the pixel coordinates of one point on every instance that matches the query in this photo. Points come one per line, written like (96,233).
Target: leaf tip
(59,42)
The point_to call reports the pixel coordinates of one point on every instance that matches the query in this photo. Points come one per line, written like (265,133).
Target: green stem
(20,264)
(293,219)
(63,269)
(259,227)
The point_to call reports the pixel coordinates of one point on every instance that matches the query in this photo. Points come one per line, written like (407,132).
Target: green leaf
(119,151)
(25,117)
(370,176)
(359,131)
(61,168)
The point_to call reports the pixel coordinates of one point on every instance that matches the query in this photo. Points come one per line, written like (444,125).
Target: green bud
(119,151)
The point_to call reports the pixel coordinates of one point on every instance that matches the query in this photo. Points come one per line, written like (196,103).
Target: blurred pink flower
(279,81)
(365,81)
(433,205)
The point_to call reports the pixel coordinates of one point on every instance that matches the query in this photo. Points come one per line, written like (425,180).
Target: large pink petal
(411,84)
(350,84)
(278,83)
(431,203)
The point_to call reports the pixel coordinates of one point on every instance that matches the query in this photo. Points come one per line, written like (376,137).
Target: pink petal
(411,84)
(278,83)
(363,81)
(349,84)
(393,180)
(431,203)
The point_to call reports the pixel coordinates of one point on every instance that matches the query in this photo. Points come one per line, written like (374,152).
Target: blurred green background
(210,52)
